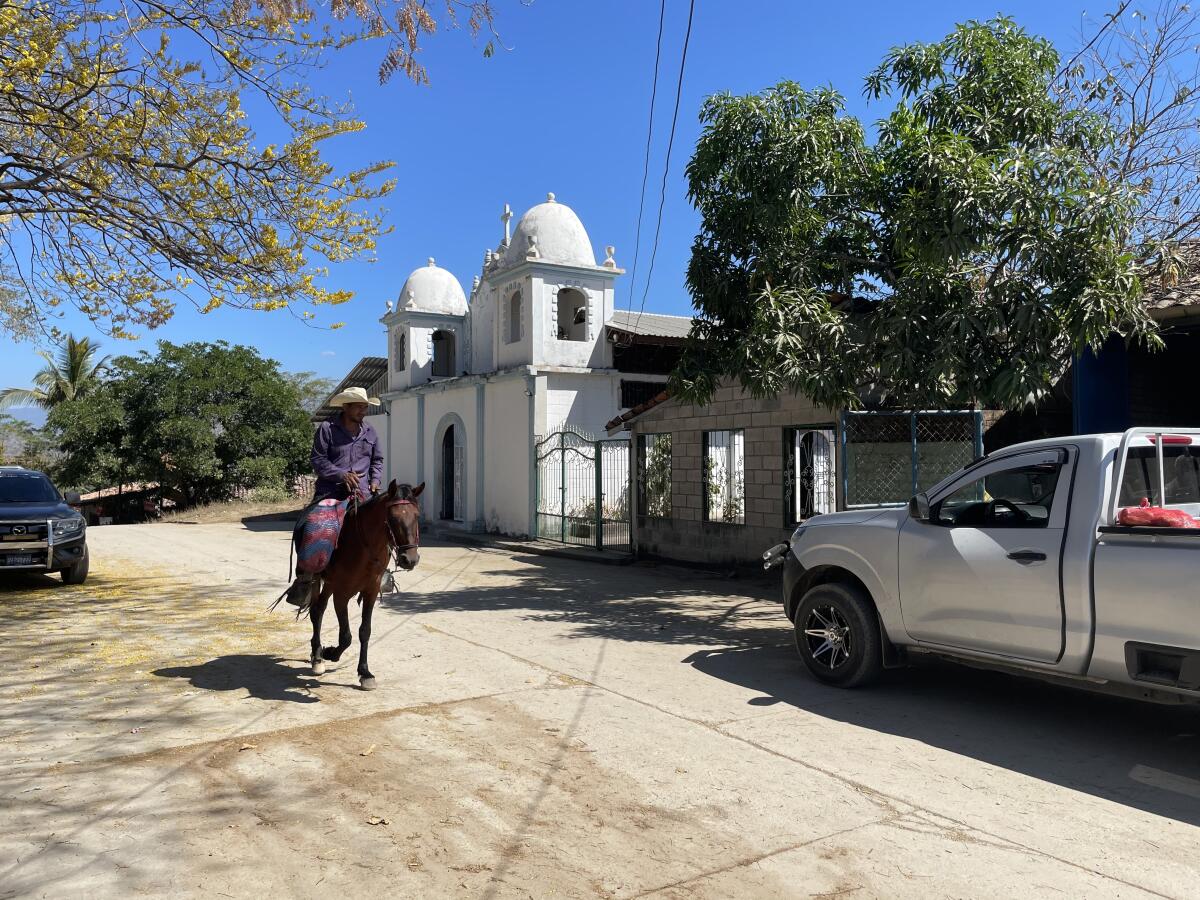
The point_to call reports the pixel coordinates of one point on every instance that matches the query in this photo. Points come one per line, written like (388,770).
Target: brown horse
(372,531)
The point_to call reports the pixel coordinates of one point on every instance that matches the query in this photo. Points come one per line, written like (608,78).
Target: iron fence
(889,456)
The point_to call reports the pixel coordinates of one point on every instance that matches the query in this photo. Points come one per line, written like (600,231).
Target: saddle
(316,535)
(313,542)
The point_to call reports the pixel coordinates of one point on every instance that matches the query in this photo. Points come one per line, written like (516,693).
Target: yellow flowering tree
(131,178)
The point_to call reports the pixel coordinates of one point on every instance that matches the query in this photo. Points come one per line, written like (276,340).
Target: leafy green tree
(131,178)
(67,375)
(313,389)
(964,257)
(200,419)
(21,444)
(92,439)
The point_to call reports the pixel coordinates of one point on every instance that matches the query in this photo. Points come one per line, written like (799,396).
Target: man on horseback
(345,454)
(348,465)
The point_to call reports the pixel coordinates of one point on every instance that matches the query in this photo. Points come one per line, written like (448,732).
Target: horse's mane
(403,492)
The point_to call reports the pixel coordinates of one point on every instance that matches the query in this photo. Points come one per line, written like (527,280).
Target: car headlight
(797,534)
(69,526)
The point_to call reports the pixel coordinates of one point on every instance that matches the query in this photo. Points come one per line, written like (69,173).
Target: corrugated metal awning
(370,374)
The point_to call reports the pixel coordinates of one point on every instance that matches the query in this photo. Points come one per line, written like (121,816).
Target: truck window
(1140,481)
(1020,497)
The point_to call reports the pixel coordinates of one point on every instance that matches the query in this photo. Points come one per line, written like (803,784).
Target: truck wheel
(837,635)
(77,573)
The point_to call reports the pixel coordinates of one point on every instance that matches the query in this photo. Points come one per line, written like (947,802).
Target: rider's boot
(300,593)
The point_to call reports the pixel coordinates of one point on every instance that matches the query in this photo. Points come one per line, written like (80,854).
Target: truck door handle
(1025,557)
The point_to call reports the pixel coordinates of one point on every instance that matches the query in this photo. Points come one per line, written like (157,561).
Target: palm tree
(70,374)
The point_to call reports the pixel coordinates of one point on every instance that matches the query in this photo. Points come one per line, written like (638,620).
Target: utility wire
(662,198)
(637,240)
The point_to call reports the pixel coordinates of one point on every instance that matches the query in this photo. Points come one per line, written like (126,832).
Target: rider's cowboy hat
(353,395)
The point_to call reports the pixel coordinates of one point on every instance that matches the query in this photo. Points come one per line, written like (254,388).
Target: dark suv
(39,531)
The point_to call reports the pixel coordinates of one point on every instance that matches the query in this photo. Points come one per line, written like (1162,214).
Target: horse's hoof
(318,666)
(367,684)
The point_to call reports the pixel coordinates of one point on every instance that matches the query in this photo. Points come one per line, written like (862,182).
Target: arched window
(443,354)
(572,315)
(514,317)
(400,351)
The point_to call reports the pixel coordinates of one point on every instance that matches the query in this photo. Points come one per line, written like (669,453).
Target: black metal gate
(583,490)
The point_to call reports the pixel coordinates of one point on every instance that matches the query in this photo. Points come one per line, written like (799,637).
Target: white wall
(402,443)
(593,353)
(506,453)
(380,424)
(520,352)
(586,401)
(482,324)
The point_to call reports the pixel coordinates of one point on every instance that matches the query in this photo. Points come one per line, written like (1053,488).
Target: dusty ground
(542,728)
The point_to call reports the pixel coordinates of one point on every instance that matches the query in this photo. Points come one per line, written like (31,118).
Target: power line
(662,198)
(637,240)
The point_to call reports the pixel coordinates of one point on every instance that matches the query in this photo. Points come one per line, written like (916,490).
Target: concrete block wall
(685,535)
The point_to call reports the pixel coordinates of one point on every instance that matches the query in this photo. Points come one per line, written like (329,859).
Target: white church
(536,348)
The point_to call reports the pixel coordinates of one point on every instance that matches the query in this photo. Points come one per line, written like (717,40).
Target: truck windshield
(26,487)
(1182,475)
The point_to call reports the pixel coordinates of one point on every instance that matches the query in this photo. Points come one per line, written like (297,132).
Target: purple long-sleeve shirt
(336,452)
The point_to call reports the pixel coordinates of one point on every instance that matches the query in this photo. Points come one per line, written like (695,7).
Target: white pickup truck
(1016,562)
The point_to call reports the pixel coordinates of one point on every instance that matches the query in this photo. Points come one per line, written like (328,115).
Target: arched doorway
(451,478)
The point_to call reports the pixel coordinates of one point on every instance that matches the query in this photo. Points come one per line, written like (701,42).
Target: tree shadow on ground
(264,677)
(271,521)
(1141,755)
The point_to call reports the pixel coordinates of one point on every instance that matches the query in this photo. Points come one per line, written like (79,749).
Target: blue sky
(563,109)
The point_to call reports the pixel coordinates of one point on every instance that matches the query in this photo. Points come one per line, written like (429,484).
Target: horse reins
(397,546)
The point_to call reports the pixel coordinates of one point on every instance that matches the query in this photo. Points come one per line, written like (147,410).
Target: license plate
(19,559)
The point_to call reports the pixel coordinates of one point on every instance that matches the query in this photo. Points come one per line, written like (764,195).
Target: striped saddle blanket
(317,535)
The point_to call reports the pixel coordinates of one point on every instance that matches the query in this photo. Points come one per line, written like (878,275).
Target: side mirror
(72,498)
(918,507)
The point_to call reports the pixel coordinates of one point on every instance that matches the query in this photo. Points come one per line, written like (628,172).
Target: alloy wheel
(829,638)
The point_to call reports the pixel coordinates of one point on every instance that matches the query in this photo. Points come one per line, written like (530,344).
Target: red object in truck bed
(1147,515)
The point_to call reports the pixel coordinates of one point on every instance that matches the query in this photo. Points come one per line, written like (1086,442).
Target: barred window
(635,393)
(809,465)
(725,476)
(654,475)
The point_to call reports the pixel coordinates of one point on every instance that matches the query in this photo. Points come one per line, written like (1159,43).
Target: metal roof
(650,324)
(370,374)
(136,487)
(615,424)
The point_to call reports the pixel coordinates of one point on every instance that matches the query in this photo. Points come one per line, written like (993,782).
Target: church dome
(558,234)
(434,290)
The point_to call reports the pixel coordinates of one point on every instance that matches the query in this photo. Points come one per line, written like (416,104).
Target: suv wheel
(837,635)
(77,573)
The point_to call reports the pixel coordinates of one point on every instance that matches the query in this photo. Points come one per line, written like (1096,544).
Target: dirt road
(542,728)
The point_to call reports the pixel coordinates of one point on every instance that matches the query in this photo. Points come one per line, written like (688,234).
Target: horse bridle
(397,546)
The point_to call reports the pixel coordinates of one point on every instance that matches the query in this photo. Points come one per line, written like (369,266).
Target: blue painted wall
(1101,389)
